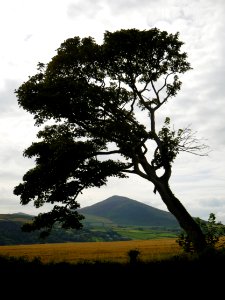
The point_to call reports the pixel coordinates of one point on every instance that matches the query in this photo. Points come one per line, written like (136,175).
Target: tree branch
(190,144)
(107,152)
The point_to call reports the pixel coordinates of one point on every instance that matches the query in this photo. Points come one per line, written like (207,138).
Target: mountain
(124,211)
(113,219)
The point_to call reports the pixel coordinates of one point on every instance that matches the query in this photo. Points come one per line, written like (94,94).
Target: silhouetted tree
(102,101)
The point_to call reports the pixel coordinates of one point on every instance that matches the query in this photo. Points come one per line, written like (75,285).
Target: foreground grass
(156,249)
(178,277)
(102,270)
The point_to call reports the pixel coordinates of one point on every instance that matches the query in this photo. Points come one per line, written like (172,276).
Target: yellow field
(94,251)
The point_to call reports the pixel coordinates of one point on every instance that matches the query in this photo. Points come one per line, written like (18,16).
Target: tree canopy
(101,101)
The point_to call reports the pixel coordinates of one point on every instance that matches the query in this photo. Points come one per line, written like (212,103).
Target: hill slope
(115,218)
(125,211)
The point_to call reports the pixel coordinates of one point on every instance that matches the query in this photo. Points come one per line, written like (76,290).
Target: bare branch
(188,142)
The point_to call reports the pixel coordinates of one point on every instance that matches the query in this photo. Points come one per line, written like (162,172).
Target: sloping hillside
(11,233)
(115,218)
(125,211)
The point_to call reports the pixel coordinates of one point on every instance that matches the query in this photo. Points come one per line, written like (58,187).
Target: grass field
(94,251)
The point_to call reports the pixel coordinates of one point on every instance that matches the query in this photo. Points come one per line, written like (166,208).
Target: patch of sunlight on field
(94,251)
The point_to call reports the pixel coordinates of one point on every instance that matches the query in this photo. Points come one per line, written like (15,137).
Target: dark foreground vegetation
(186,275)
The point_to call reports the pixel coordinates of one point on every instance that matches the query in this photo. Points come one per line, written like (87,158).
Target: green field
(113,232)
(142,233)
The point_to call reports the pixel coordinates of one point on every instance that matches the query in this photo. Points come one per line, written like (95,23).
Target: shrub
(133,255)
(212,230)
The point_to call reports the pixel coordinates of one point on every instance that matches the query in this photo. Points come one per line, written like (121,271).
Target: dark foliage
(212,230)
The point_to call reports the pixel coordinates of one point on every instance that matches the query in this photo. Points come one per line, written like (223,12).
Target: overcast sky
(32,30)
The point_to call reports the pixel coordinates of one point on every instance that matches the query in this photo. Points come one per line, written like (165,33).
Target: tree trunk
(183,217)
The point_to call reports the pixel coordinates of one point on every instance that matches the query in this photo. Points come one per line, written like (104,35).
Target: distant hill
(11,233)
(113,219)
(125,212)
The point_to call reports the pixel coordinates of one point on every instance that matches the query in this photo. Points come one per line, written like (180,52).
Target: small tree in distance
(95,94)
(212,230)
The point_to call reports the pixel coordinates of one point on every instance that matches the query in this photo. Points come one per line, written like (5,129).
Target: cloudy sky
(31,31)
